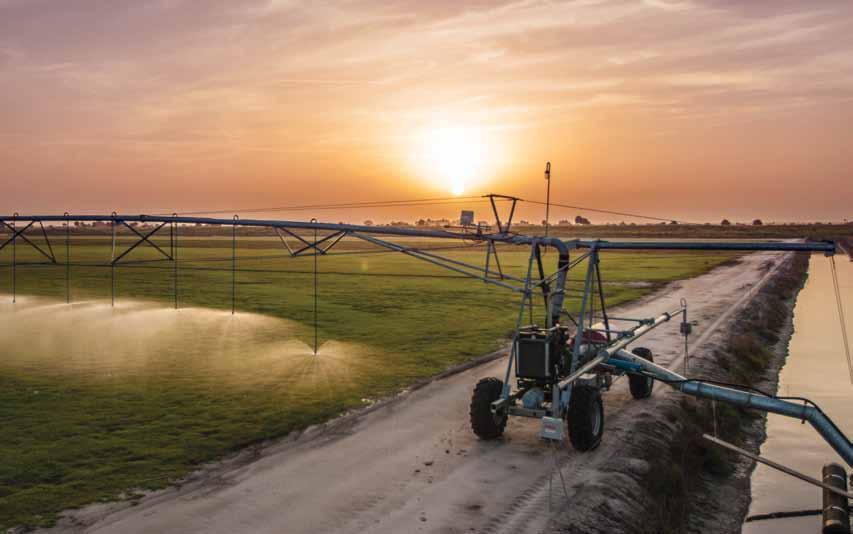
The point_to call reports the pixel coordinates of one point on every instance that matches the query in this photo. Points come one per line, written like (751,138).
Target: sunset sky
(691,109)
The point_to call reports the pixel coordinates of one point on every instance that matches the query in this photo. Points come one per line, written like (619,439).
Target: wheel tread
(641,386)
(584,400)
(483,422)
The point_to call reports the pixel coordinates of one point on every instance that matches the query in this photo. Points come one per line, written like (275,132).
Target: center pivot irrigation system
(560,368)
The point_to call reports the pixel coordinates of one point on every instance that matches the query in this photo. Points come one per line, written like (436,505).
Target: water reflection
(815,368)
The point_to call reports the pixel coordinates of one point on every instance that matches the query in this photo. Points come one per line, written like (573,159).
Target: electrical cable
(609,212)
(841,316)
(348,205)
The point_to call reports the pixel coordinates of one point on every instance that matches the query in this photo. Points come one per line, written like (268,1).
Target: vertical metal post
(67,259)
(175,258)
(546,289)
(587,289)
(491,248)
(113,264)
(316,252)
(685,330)
(527,294)
(14,255)
(234,266)
(172,238)
(497,216)
(547,196)
(601,298)
(488,257)
(497,260)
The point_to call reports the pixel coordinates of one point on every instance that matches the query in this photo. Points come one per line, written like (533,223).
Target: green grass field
(97,404)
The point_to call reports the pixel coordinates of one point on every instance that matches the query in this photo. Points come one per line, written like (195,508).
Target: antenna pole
(547,195)
(14,255)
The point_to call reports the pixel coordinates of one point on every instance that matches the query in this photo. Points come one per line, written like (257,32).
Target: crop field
(99,403)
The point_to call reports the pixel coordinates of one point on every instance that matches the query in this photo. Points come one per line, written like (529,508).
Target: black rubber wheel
(484,423)
(585,418)
(641,386)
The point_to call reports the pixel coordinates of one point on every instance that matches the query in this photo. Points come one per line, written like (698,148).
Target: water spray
(234,264)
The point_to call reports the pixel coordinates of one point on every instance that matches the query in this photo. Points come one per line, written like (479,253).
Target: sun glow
(453,158)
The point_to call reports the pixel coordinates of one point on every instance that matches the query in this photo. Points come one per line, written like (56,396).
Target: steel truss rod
(491,248)
(335,237)
(436,260)
(20,234)
(143,238)
(283,240)
(468,265)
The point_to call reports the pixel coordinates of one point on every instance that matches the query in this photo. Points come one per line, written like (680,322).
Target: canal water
(816,368)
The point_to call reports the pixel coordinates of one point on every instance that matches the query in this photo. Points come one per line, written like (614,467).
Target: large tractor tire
(585,418)
(641,386)
(484,423)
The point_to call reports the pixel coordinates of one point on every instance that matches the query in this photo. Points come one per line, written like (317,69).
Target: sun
(453,158)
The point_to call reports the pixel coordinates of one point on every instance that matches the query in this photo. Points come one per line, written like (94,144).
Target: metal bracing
(278,232)
(503,228)
(334,237)
(491,249)
(19,234)
(471,271)
(145,238)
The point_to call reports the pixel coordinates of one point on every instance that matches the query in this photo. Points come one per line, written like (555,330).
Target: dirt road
(412,464)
